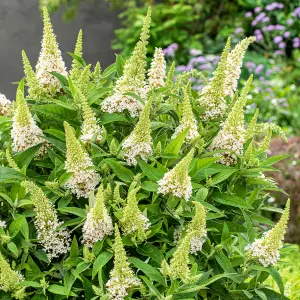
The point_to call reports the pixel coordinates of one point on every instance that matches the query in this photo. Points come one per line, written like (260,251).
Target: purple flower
(205,67)
(248,14)
(265,20)
(259,69)
(279,27)
(278,52)
(296,42)
(270,27)
(254,23)
(259,37)
(239,30)
(282,45)
(277,39)
(170,50)
(274,6)
(257,9)
(181,68)
(289,21)
(200,59)
(250,65)
(195,52)
(296,12)
(287,34)
(269,72)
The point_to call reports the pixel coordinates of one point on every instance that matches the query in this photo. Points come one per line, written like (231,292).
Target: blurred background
(193,33)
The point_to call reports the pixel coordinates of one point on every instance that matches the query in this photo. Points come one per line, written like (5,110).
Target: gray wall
(21,28)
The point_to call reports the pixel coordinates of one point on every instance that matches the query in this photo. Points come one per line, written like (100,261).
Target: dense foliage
(123,184)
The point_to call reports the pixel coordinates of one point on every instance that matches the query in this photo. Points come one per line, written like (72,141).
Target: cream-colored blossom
(188,119)
(9,279)
(212,95)
(232,134)
(177,182)
(25,133)
(133,221)
(266,249)
(234,65)
(54,241)
(98,223)
(5,105)
(122,278)
(157,71)
(84,178)
(133,79)
(50,60)
(139,143)
(198,228)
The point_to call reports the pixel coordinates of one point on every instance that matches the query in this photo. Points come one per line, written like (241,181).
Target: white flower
(157,72)
(5,105)
(2,224)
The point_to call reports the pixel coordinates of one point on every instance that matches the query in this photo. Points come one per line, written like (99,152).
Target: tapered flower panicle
(198,227)
(188,119)
(251,129)
(266,249)
(122,278)
(157,72)
(5,105)
(177,182)
(179,268)
(54,241)
(90,129)
(34,89)
(212,95)
(98,223)
(9,279)
(133,78)
(234,65)
(170,75)
(232,135)
(25,133)
(139,142)
(76,70)
(11,161)
(84,178)
(50,60)
(133,221)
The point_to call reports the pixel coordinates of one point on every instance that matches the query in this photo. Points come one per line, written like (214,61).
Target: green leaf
(57,133)
(277,278)
(74,211)
(150,250)
(78,58)
(8,175)
(249,225)
(175,145)
(109,71)
(16,226)
(147,269)
(74,250)
(274,159)
(120,62)
(69,280)
(110,118)
(122,173)
(62,79)
(59,290)
(102,259)
(24,158)
(220,177)
(152,173)
(201,164)
(201,194)
(230,200)
(13,248)
(149,186)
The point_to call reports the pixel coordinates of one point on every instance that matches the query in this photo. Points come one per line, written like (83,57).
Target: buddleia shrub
(128,184)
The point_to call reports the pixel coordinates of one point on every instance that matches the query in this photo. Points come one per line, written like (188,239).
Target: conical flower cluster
(90,129)
(178,268)
(139,143)
(177,182)
(232,135)
(54,242)
(122,279)
(84,178)
(98,223)
(76,66)
(5,105)
(188,120)
(251,129)
(50,60)
(157,72)
(133,221)
(133,78)
(9,279)
(212,95)
(234,65)
(25,133)
(34,89)
(266,249)
(198,228)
